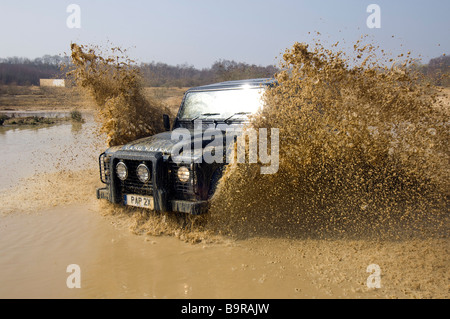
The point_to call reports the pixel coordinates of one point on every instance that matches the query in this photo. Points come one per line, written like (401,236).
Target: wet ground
(50,219)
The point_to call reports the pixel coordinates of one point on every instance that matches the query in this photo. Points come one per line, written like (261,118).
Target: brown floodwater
(28,149)
(46,226)
(114,263)
(50,219)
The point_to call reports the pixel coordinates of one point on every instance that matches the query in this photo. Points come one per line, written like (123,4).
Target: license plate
(139,201)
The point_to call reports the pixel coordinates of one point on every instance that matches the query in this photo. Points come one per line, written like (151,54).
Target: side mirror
(166,121)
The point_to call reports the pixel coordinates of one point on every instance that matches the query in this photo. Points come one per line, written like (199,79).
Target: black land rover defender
(144,173)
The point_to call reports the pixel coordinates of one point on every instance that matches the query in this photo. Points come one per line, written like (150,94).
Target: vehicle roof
(252,83)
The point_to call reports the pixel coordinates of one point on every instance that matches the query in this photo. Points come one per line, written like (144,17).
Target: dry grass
(34,98)
(171,96)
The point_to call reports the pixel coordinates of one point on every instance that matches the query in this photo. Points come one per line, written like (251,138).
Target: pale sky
(199,32)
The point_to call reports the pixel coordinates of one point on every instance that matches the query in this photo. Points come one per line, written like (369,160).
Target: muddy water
(26,150)
(36,250)
(51,220)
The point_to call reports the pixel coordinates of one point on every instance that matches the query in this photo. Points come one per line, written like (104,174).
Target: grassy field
(35,98)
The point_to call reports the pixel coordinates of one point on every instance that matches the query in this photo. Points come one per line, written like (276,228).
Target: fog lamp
(183,174)
(143,173)
(121,171)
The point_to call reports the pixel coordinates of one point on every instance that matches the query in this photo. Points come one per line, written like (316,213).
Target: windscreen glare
(221,103)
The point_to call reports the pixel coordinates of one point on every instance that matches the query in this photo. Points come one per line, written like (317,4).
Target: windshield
(221,103)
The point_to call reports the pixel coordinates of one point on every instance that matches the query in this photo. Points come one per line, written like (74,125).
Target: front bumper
(193,208)
(181,206)
(103,193)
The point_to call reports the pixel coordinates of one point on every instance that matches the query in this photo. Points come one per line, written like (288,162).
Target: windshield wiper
(239,113)
(204,114)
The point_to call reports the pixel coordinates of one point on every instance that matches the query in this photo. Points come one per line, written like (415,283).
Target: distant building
(52,82)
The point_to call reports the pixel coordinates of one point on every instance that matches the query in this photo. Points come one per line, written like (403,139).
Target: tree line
(23,71)
(437,71)
(161,74)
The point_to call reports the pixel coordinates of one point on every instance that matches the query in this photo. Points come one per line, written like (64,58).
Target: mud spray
(363,152)
(363,148)
(115,85)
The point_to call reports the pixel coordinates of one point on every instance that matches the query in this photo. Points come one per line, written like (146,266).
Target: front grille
(132,185)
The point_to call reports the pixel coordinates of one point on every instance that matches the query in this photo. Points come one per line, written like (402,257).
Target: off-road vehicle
(144,173)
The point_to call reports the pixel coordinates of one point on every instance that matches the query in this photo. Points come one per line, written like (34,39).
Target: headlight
(143,173)
(183,174)
(122,171)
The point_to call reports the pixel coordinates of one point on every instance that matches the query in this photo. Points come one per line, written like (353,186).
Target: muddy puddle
(27,150)
(114,263)
(50,219)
